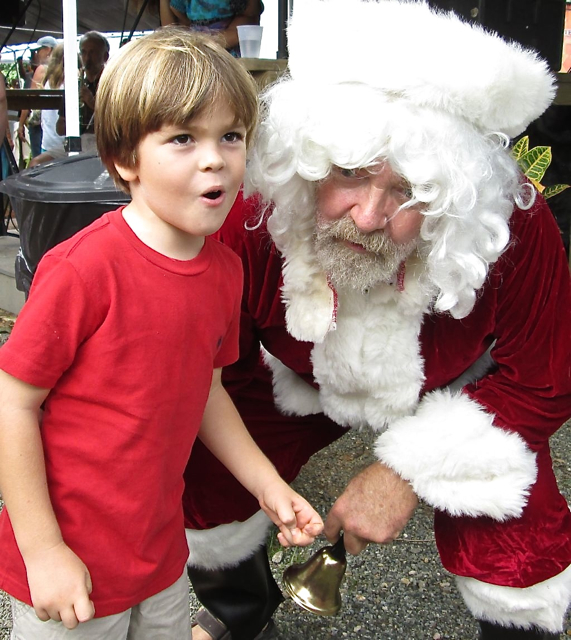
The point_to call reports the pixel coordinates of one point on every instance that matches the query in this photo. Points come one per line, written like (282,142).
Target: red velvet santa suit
(493,522)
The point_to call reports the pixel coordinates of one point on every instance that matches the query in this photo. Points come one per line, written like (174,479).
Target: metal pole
(71,82)
(283,16)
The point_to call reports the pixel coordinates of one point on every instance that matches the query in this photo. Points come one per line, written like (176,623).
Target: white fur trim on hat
(432,59)
(228,544)
(457,460)
(542,605)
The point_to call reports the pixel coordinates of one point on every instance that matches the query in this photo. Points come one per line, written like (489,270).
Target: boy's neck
(160,236)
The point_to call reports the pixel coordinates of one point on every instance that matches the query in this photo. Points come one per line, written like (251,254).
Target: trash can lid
(80,178)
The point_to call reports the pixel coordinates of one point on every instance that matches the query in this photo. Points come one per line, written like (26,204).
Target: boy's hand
(60,585)
(297,520)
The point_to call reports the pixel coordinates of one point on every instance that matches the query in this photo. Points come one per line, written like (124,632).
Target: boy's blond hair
(166,78)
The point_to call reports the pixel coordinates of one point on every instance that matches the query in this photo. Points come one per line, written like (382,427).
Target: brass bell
(314,585)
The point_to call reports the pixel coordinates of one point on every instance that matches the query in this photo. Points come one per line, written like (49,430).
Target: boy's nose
(370,210)
(211,159)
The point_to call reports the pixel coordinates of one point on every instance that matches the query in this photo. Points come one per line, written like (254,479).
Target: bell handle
(337,551)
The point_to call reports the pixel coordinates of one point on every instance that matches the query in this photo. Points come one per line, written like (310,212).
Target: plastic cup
(250,37)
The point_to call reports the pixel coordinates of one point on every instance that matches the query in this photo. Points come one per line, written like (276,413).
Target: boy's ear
(129,174)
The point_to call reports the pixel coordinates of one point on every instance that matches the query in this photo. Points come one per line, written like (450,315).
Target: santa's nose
(372,210)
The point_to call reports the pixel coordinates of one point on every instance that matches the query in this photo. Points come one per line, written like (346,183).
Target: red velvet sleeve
(530,287)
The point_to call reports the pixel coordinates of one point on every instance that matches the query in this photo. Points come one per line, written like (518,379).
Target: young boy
(122,342)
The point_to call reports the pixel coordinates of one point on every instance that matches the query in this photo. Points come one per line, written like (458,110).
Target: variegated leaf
(520,148)
(553,190)
(535,162)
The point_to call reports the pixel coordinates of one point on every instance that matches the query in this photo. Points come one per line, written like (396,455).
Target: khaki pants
(164,616)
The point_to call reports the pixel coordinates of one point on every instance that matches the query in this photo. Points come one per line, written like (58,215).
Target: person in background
(220,17)
(31,119)
(25,72)
(3,109)
(92,531)
(4,128)
(52,142)
(416,285)
(94,53)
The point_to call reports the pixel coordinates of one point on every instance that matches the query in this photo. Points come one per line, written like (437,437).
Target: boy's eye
(233,136)
(182,138)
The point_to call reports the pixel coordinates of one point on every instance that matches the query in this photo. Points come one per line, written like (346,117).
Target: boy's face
(187,178)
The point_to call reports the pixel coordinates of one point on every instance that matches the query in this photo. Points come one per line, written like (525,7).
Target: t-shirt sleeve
(55,320)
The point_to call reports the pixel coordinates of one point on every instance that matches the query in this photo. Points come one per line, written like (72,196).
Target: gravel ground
(394,592)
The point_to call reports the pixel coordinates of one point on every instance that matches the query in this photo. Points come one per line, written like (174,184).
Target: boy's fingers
(287,517)
(289,534)
(84,609)
(68,618)
(42,614)
(283,540)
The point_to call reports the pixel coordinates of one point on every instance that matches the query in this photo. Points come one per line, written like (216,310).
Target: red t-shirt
(126,339)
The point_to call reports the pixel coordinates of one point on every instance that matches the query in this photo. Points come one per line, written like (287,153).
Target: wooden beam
(19,99)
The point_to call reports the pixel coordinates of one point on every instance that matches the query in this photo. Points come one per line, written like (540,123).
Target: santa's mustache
(346,230)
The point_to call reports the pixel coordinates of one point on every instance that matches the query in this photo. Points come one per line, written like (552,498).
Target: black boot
(489,631)
(242,597)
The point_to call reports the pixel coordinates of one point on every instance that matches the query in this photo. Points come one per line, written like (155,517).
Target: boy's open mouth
(212,195)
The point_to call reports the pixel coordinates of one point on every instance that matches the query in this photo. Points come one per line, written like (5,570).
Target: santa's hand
(298,522)
(375,507)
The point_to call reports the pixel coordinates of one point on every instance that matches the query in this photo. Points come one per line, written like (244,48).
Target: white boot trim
(228,544)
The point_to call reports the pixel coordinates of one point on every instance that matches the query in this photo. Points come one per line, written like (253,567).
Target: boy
(122,342)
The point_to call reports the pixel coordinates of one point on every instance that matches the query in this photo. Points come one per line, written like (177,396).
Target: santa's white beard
(359,270)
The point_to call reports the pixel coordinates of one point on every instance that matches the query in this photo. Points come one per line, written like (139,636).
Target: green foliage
(534,163)
(551,191)
(10,72)
(520,148)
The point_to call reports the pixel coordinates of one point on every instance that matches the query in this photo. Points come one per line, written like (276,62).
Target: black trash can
(55,200)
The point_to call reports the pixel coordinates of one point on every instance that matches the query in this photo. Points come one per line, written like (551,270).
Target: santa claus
(425,293)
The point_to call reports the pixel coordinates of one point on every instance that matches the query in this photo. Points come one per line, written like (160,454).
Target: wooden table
(19,99)
(264,71)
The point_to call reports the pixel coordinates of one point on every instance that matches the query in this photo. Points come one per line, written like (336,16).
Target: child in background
(122,342)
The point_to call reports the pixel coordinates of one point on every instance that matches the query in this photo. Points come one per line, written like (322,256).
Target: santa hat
(430,58)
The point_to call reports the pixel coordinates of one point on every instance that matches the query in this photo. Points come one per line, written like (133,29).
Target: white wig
(396,91)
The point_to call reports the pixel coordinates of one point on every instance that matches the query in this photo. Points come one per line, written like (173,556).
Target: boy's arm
(59,581)
(224,433)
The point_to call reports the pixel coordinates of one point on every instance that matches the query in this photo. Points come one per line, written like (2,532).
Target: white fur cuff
(457,460)
(228,544)
(542,605)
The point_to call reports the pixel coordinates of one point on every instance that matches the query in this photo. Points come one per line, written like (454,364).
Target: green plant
(10,71)
(534,163)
